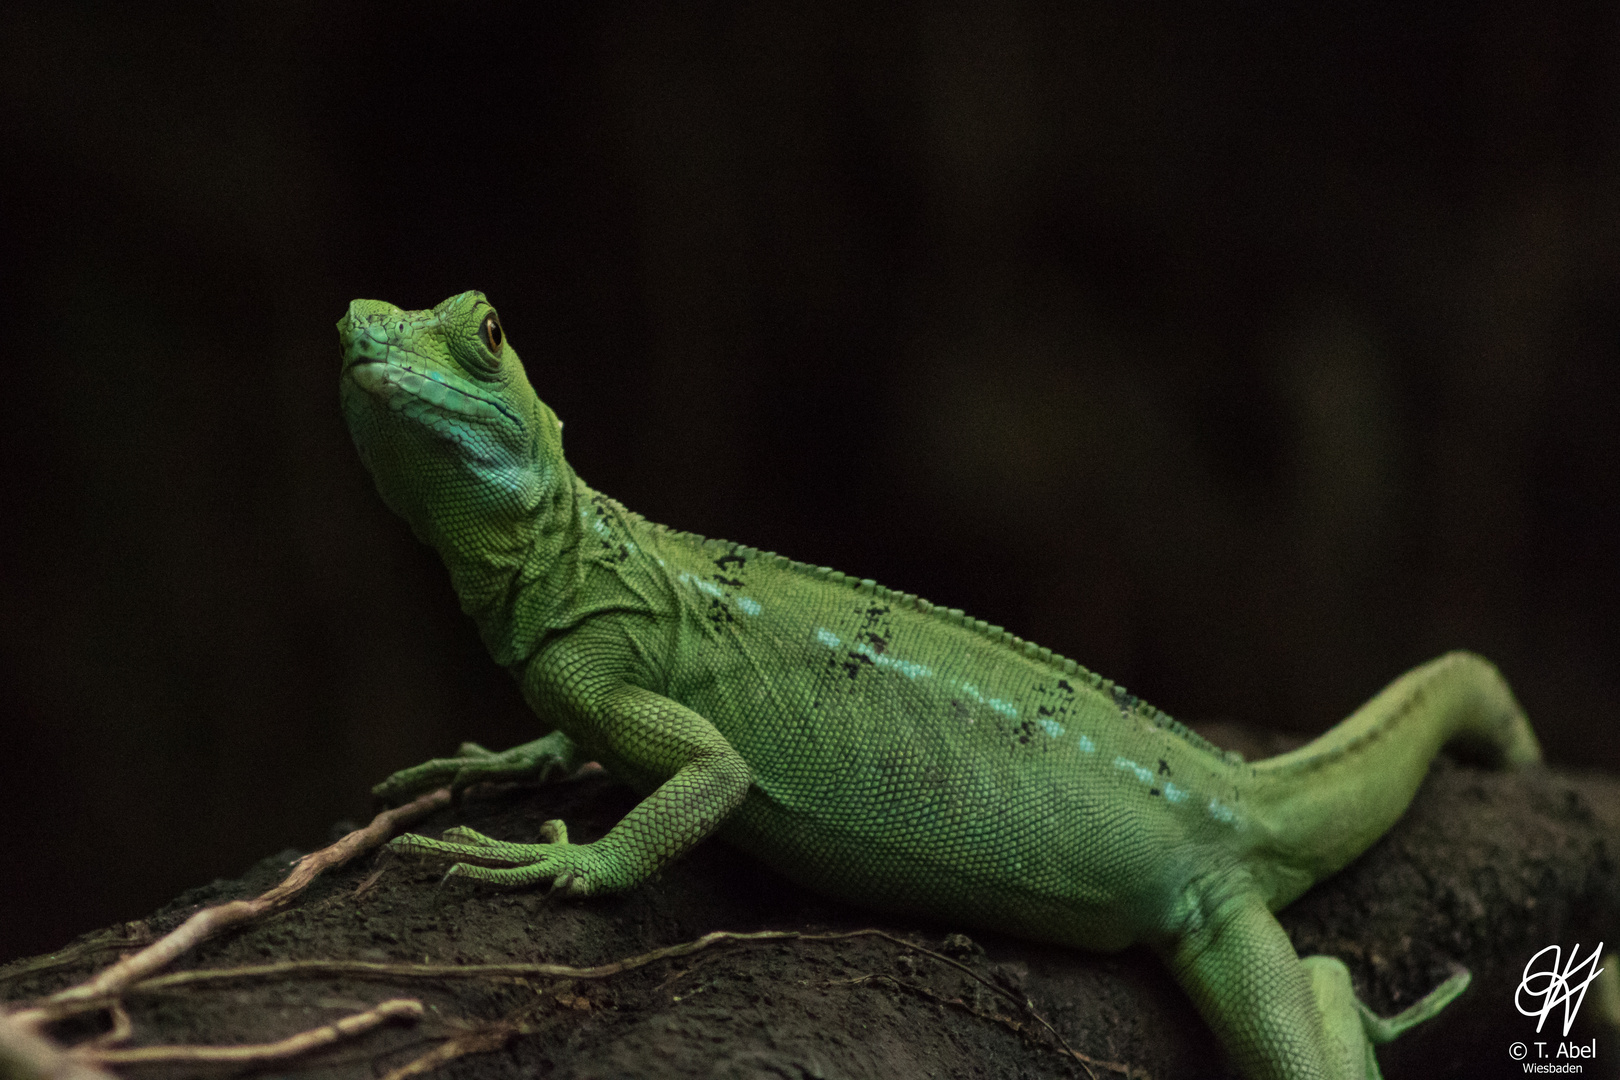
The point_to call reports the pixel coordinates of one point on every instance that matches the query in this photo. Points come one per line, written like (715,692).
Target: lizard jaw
(389,381)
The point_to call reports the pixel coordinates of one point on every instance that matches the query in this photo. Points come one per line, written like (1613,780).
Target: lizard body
(864,742)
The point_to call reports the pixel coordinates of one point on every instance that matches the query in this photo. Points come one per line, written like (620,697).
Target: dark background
(1249,355)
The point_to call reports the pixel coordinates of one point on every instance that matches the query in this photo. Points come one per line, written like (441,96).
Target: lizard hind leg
(1280,1017)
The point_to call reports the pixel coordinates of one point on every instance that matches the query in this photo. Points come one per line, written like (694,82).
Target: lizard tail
(1322,805)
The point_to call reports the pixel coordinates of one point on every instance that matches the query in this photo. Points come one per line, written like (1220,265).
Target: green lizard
(864,742)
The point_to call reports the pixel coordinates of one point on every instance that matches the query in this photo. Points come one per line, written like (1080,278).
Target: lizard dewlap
(864,742)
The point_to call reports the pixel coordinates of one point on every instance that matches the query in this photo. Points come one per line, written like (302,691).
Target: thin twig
(365,886)
(72,954)
(373,969)
(381,970)
(1017,999)
(122,1030)
(26,1053)
(293,1045)
(682,973)
(1008,1022)
(479,1041)
(210,921)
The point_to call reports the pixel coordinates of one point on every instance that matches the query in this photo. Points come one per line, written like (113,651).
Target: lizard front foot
(573,869)
(553,756)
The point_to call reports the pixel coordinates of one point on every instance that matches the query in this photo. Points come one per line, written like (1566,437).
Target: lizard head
(446,421)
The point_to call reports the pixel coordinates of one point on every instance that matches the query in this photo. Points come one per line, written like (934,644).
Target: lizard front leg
(707,780)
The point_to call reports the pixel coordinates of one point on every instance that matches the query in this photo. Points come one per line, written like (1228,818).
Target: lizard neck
(511,577)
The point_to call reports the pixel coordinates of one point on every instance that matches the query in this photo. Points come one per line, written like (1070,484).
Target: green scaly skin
(864,742)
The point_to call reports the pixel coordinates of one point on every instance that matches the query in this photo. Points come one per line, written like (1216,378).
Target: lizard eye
(490,333)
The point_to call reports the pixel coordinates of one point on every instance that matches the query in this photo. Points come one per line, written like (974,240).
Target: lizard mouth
(387,380)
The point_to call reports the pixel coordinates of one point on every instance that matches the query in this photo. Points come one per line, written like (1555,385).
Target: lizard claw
(573,869)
